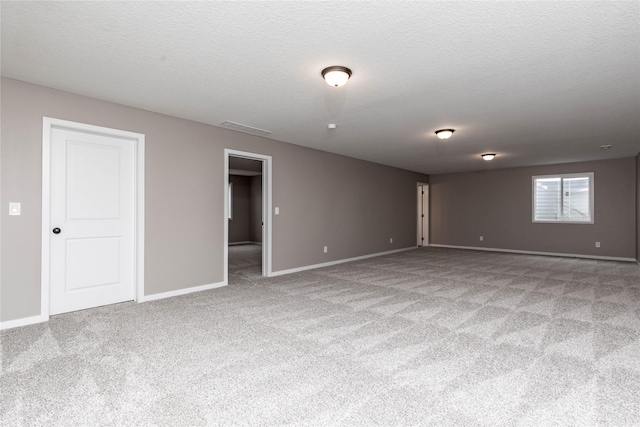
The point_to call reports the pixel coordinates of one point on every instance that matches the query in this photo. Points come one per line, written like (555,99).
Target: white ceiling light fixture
(488,156)
(336,75)
(605,147)
(444,133)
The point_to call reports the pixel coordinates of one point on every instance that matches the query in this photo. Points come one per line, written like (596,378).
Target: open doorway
(245,216)
(247,204)
(423,215)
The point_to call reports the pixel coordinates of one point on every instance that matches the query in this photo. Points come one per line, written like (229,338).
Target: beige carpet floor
(424,337)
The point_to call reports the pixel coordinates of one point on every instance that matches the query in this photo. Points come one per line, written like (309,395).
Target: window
(563,198)
(230,201)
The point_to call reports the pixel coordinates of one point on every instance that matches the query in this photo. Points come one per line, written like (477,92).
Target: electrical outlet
(390,239)
(325,249)
(597,244)
(482,238)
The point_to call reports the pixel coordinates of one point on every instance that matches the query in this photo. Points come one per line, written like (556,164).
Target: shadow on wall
(245,224)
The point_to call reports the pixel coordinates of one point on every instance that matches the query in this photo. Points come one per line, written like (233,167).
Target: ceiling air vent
(244,128)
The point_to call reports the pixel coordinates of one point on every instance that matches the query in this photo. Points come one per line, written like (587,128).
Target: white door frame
(266,209)
(420,206)
(48,124)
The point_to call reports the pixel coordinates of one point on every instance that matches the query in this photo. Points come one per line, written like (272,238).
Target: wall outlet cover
(15,208)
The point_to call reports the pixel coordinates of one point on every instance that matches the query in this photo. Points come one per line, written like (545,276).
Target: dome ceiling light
(488,156)
(336,75)
(444,133)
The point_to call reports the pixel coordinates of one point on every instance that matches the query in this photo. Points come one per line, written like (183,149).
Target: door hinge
(422,215)
(423,238)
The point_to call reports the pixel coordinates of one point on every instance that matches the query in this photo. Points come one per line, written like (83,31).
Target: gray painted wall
(255,220)
(497,205)
(638,207)
(241,210)
(351,206)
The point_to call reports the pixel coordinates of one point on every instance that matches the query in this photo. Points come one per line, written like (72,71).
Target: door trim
(425,188)
(266,209)
(48,124)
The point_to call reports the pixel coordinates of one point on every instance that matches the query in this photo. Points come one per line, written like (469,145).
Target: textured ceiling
(535,82)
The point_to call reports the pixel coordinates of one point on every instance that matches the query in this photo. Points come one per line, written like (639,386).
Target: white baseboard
(516,251)
(25,321)
(340,261)
(248,242)
(178,292)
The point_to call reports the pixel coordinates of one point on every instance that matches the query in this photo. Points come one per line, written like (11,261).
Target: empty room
(320,213)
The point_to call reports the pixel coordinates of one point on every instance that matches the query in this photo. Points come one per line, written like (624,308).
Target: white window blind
(563,198)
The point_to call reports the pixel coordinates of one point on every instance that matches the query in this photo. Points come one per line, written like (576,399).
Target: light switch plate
(15,208)
(277,210)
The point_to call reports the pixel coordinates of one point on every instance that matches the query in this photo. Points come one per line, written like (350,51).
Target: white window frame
(589,175)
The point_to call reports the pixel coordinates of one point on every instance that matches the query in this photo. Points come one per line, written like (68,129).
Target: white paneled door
(92,249)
